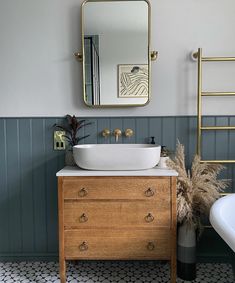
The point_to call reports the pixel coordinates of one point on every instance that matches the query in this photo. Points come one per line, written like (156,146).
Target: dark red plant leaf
(69,119)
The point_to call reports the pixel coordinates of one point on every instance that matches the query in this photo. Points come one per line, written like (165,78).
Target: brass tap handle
(149,218)
(105,133)
(83,192)
(83,218)
(117,133)
(83,247)
(129,133)
(149,192)
(150,246)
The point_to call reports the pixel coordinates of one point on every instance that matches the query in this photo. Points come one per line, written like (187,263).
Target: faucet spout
(117,133)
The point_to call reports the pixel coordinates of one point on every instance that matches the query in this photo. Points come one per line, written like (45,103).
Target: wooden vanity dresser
(117,215)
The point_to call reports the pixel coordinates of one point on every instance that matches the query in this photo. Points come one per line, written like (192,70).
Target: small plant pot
(69,160)
(163,162)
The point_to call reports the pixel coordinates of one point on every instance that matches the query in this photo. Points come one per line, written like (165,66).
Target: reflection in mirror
(116,49)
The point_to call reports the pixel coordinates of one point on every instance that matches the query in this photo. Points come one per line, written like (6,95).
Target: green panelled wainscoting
(28,185)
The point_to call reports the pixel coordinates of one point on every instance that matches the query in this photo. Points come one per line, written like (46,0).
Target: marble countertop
(76,171)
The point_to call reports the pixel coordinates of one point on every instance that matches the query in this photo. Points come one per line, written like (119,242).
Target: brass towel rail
(200,94)
(218,93)
(198,55)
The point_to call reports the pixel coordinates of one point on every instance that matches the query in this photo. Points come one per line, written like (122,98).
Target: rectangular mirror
(116,52)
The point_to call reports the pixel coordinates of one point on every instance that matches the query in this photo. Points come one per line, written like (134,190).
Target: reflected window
(92,67)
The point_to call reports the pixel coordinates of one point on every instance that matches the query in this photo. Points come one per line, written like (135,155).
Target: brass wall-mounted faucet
(117,133)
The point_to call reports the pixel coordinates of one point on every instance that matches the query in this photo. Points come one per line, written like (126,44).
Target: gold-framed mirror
(116,52)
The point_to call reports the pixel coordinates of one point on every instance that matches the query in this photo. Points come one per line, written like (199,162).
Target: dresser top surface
(76,171)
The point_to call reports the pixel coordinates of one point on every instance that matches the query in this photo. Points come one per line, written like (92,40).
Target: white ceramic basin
(116,156)
(223,220)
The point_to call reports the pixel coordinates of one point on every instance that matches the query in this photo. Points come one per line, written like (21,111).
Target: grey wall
(28,164)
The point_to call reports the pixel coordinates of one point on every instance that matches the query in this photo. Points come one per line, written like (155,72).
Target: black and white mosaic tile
(108,272)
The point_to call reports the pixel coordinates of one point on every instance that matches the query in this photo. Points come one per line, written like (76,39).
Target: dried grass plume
(197,189)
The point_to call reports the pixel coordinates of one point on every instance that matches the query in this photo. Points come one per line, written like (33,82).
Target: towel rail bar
(218,93)
(213,128)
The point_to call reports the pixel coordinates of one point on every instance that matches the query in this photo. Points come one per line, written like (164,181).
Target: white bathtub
(222,218)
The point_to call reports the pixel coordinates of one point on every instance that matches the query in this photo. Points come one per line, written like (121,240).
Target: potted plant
(197,189)
(72,127)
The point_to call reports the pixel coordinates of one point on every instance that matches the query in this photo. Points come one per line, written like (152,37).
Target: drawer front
(117,244)
(149,188)
(96,214)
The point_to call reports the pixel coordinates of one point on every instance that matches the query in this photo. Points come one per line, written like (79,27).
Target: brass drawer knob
(150,246)
(83,192)
(83,247)
(149,218)
(149,192)
(83,218)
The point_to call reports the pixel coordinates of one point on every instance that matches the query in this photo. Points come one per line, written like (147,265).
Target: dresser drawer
(148,188)
(117,244)
(90,214)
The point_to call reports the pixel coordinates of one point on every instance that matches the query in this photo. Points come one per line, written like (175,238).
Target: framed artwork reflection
(132,80)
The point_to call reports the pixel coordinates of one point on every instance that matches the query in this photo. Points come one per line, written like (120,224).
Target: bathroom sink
(116,156)
(222,219)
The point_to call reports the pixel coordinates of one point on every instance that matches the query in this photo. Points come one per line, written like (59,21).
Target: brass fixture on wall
(200,94)
(154,55)
(78,56)
(105,133)
(117,133)
(129,133)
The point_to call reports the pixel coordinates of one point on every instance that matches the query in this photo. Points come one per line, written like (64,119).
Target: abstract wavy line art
(133,80)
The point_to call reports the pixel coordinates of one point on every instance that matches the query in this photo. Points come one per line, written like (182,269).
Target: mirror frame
(83,57)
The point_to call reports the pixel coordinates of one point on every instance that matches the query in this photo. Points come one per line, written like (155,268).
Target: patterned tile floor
(108,272)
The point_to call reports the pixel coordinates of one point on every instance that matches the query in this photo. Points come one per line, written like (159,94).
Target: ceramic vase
(186,252)
(163,162)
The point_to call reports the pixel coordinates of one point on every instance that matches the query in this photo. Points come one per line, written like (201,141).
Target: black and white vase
(186,252)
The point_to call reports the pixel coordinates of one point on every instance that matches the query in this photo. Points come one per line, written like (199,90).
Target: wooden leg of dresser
(173,230)
(61,231)
(62,271)
(173,269)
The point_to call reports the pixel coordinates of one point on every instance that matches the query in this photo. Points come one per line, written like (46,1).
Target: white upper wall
(39,76)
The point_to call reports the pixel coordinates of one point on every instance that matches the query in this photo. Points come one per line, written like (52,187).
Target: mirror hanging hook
(78,56)
(154,55)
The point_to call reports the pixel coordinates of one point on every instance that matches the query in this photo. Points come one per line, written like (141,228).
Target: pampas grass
(197,189)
